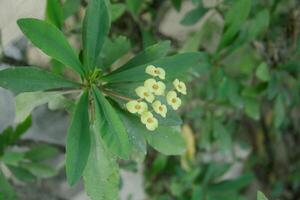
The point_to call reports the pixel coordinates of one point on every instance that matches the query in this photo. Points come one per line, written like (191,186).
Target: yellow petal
(159,108)
(150,69)
(161,88)
(161,73)
(149,83)
(145,116)
(170,96)
(144,107)
(151,124)
(131,106)
(180,86)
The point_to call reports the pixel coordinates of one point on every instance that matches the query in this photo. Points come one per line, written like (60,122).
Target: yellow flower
(150,122)
(160,108)
(173,100)
(156,71)
(179,86)
(136,107)
(144,93)
(156,87)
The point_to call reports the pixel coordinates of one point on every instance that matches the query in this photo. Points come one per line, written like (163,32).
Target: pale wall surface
(11,10)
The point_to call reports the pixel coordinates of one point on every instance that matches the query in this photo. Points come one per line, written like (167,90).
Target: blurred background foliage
(241,115)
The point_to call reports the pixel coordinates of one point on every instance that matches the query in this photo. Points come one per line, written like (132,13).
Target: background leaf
(54,13)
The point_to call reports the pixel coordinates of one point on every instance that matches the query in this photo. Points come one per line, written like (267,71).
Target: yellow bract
(156,71)
(173,100)
(136,107)
(180,86)
(144,93)
(150,121)
(156,87)
(160,108)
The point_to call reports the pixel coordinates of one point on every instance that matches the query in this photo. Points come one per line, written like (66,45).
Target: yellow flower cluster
(149,91)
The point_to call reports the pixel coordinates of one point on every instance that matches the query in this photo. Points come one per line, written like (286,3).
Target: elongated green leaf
(26,102)
(150,54)
(22,174)
(78,141)
(261,196)
(54,13)
(166,140)
(9,135)
(6,190)
(193,16)
(41,152)
(95,29)
(101,175)
(39,170)
(51,41)
(234,19)
(117,10)
(134,6)
(30,79)
(111,127)
(70,7)
(175,66)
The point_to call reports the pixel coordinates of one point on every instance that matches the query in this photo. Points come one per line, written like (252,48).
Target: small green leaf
(39,170)
(26,102)
(234,20)
(193,16)
(51,41)
(111,127)
(150,54)
(261,196)
(112,51)
(12,158)
(54,13)
(177,4)
(263,73)
(175,67)
(30,79)
(41,152)
(134,6)
(78,141)
(6,190)
(117,10)
(166,140)
(70,7)
(101,175)
(252,108)
(22,174)
(95,29)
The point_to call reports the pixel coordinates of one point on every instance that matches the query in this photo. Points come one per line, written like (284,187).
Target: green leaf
(177,4)
(39,170)
(12,158)
(252,108)
(166,140)
(150,54)
(117,10)
(26,102)
(30,79)
(70,7)
(22,174)
(41,152)
(262,72)
(193,16)
(6,190)
(95,29)
(261,196)
(259,24)
(54,13)
(134,6)
(112,51)
(110,126)
(234,20)
(9,136)
(101,175)
(134,130)
(51,41)
(78,141)
(175,67)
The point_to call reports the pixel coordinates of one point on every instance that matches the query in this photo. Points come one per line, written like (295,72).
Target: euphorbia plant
(102,130)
